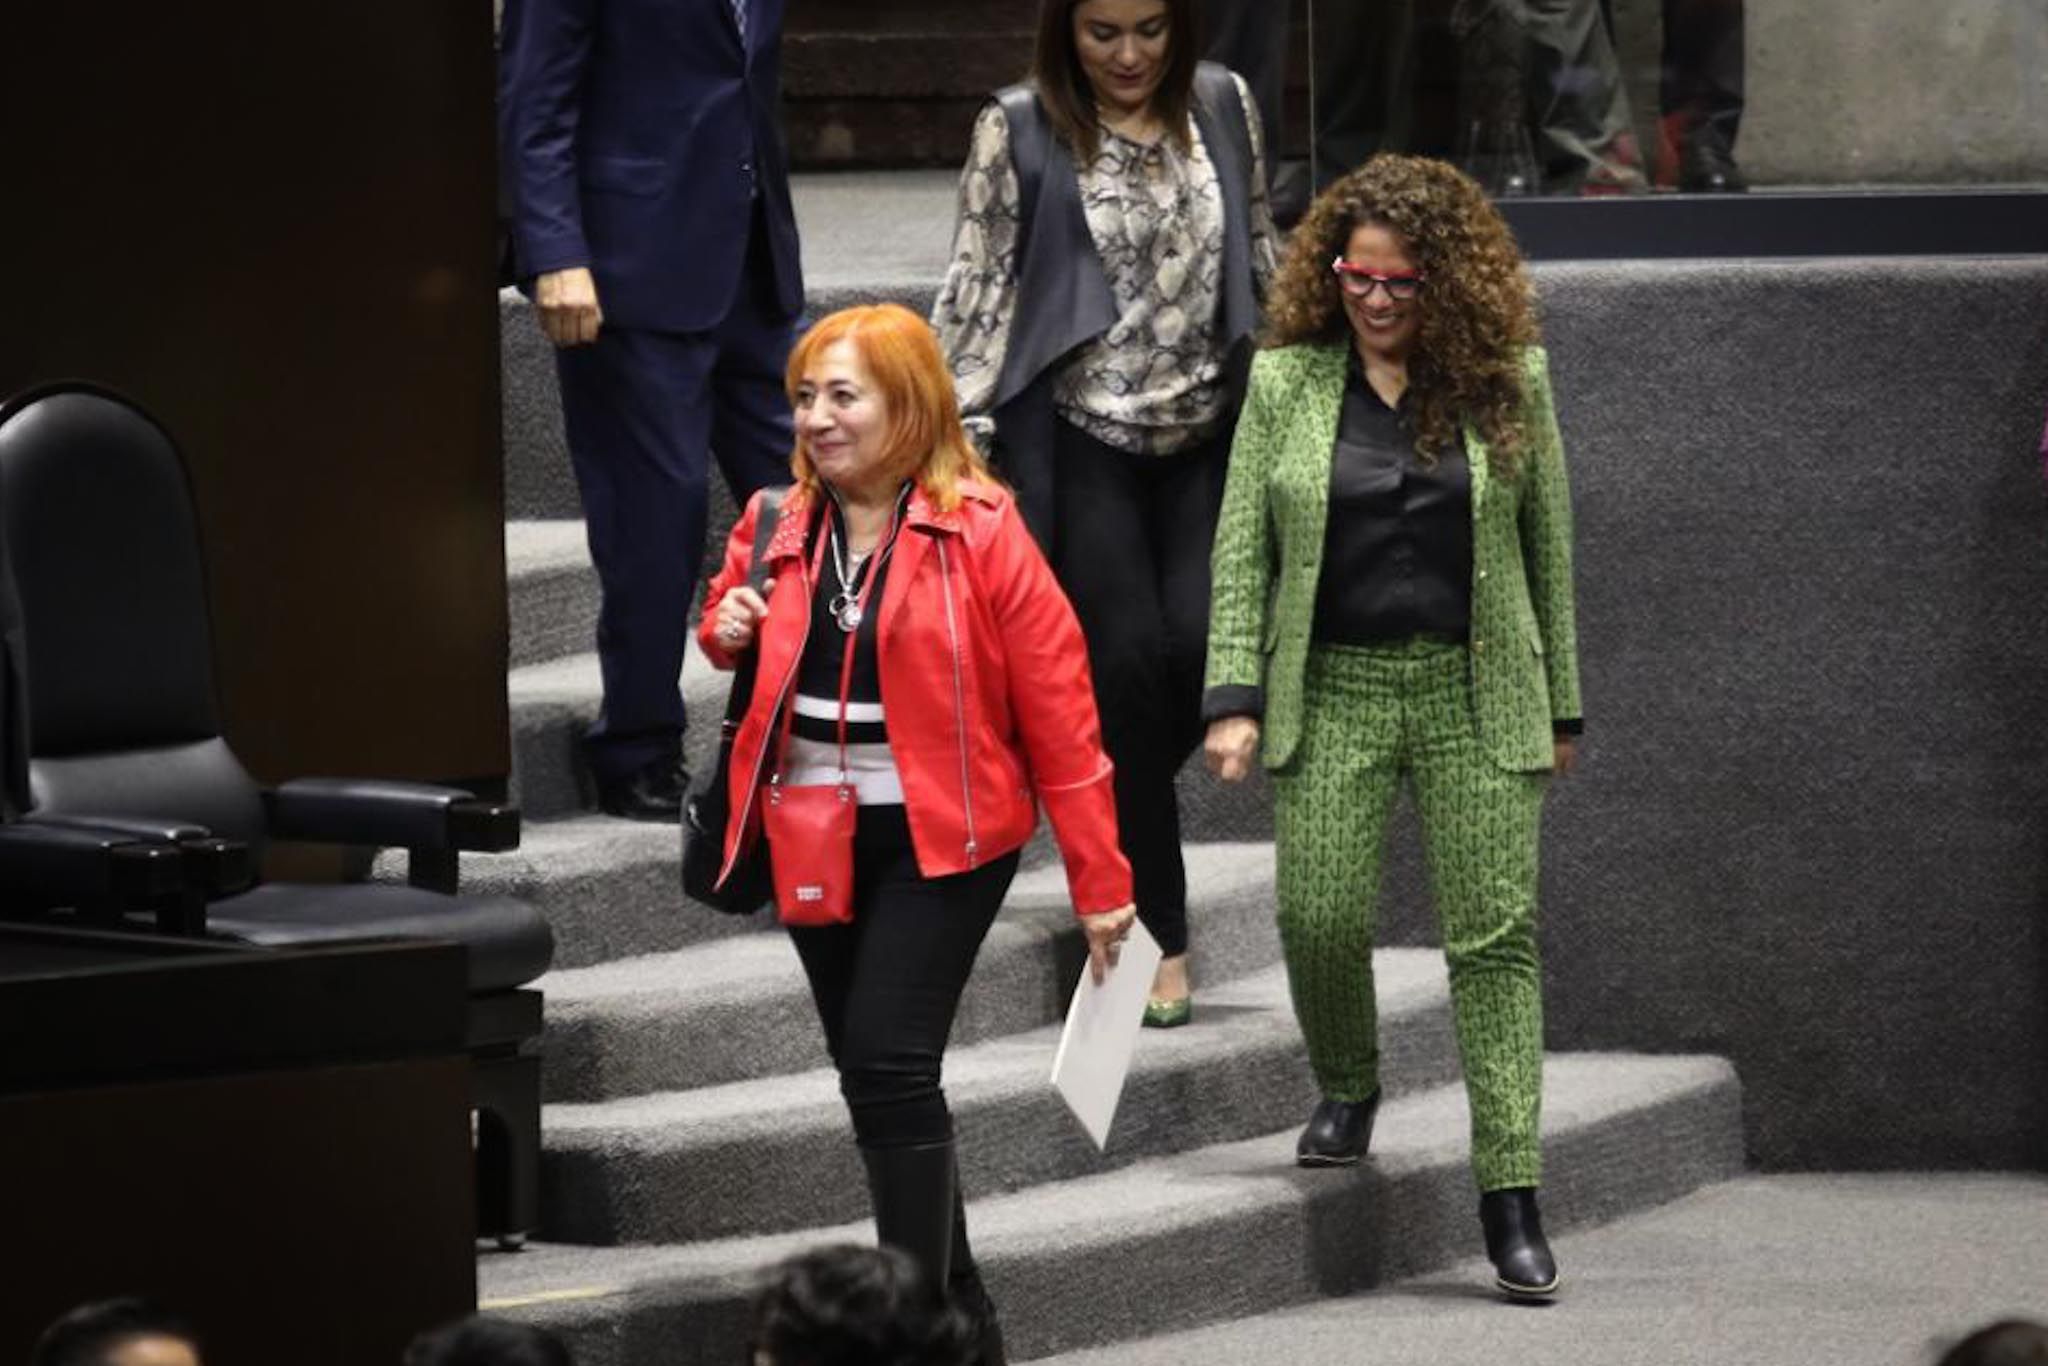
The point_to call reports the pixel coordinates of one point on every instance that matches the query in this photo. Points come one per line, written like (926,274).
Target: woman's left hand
(1564,754)
(1106,931)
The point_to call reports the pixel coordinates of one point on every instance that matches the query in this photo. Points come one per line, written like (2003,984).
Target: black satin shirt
(1397,553)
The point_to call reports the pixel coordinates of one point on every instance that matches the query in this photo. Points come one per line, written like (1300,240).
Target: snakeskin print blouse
(1154,383)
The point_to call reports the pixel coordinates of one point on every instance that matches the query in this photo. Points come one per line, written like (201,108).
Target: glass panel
(1632,96)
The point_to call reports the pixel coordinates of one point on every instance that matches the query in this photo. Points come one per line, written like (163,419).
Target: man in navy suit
(652,227)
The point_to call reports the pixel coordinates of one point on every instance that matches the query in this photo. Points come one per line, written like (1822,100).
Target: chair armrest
(414,816)
(213,866)
(49,865)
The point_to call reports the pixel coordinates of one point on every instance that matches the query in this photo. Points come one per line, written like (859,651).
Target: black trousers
(887,985)
(1132,541)
(1701,71)
(1365,87)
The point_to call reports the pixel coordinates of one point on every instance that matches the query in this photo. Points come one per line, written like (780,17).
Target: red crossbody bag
(810,827)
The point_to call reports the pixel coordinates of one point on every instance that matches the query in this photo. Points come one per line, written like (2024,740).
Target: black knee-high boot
(914,1194)
(968,1293)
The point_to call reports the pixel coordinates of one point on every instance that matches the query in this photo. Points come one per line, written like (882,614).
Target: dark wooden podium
(274,1143)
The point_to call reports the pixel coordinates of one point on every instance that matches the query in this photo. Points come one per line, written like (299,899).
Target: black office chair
(98,523)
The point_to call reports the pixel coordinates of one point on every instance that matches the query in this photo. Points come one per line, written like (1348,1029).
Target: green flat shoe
(1169,1014)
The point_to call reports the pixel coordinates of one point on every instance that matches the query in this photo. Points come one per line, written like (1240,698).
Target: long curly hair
(1478,309)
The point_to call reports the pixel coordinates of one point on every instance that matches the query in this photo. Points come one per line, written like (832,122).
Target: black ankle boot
(1515,1244)
(914,1194)
(1338,1133)
(969,1294)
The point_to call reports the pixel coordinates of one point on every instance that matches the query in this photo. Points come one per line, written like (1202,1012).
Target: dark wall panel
(272,225)
(1811,830)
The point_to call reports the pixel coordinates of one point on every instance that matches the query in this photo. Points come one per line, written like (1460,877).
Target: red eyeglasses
(1359,282)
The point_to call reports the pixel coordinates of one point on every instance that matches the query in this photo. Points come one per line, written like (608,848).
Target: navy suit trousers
(645,413)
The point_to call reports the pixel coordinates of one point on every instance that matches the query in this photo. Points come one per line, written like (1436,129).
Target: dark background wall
(272,225)
(1811,827)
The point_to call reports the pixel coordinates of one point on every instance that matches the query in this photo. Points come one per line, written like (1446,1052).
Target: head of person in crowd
(122,1332)
(1115,60)
(1407,260)
(875,406)
(480,1341)
(848,1305)
(2010,1342)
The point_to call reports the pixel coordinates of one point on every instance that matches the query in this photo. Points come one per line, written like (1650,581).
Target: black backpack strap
(764,531)
(765,521)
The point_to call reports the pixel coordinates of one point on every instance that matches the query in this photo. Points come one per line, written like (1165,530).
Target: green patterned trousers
(1373,715)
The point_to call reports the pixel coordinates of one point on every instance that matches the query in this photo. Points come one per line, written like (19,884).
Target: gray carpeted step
(538,480)
(1192,1238)
(697,1164)
(553,703)
(553,590)
(739,1008)
(607,887)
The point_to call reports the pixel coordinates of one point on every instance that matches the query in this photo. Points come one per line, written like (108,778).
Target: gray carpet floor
(1765,1271)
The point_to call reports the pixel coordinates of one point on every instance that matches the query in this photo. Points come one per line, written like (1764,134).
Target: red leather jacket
(985,686)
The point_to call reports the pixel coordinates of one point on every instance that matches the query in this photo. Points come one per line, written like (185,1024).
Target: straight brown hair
(1068,98)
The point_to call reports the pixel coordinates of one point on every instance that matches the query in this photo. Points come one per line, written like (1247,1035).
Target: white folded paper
(1095,1049)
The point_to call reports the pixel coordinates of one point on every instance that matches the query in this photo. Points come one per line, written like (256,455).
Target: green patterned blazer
(1269,550)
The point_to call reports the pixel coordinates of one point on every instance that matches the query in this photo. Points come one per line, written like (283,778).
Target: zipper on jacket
(781,697)
(959,699)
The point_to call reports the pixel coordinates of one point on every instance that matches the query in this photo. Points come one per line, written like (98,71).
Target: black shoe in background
(654,793)
(1338,1133)
(1706,166)
(1522,1264)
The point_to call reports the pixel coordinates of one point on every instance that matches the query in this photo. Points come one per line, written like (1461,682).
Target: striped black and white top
(813,753)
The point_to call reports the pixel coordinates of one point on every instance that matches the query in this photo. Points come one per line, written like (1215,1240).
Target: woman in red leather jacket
(967,705)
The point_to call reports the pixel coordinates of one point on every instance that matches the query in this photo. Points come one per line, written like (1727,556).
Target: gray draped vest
(1064,299)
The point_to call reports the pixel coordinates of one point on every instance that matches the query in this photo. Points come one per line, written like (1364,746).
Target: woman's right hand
(1106,932)
(740,614)
(1230,745)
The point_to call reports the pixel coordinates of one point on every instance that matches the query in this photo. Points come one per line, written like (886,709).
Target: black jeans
(1132,551)
(887,985)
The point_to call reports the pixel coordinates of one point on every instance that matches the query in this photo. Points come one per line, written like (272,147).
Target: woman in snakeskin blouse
(1113,243)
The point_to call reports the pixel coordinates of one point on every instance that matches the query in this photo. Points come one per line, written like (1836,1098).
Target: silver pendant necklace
(847,567)
(845,604)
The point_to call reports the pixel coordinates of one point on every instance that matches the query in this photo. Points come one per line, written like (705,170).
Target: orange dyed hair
(902,357)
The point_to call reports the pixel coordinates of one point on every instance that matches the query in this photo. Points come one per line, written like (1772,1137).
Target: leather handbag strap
(765,522)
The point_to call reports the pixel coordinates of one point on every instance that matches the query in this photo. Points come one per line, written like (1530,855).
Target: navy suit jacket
(634,136)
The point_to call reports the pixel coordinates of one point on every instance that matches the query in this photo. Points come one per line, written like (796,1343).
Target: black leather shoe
(1338,1133)
(1522,1264)
(655,793)
(1707,167)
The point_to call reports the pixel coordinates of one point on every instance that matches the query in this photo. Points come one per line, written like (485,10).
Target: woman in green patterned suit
(1393,597)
